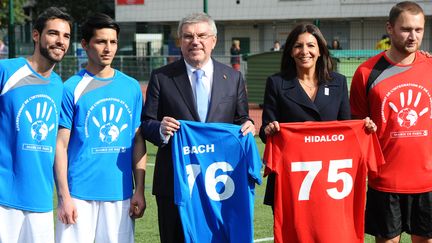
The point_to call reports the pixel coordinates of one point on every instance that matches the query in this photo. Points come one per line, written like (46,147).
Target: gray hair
(196,18)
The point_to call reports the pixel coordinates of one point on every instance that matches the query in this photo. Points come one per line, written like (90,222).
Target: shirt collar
(207,68)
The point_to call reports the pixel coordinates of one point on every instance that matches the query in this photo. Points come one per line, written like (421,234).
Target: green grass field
(146,228)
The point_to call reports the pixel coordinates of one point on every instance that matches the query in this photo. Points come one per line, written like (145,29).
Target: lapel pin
(326,91)
(224,76)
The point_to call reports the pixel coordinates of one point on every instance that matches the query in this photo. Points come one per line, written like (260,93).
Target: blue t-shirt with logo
(102,115)
(215,172)
(29,114)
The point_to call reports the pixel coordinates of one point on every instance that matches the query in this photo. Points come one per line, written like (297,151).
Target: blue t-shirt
(102,115)
(29,115)
(215,171)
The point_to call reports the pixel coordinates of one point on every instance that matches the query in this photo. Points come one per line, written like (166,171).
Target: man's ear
(35,36)
(84,44)
(389,28)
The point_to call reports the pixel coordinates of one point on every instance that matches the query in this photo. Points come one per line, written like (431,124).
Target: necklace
(311,88)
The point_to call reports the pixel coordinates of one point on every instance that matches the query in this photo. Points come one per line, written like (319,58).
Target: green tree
(19,15)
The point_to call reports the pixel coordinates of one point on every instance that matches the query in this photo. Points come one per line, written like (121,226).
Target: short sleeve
(371,150)
(67,109)
(139,106)
(272,154)
(253,159)
(181,186)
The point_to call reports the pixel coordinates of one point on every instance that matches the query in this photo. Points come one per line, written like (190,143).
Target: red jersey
(398,98)
(320,185)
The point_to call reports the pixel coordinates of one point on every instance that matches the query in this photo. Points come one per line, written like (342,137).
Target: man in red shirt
(394,88)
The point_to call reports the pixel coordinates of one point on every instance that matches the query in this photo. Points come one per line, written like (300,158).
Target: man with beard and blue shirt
(30,101)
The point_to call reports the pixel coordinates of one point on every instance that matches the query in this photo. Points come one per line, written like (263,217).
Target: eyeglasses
(200,36)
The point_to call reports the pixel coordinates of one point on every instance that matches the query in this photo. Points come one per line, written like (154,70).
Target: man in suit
(172,95)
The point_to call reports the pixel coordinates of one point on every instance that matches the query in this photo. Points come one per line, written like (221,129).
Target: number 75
(314,167)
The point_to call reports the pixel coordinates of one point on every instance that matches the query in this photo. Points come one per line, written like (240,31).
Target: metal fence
(138,67)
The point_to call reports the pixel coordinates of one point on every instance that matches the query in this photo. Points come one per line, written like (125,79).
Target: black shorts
(390,214)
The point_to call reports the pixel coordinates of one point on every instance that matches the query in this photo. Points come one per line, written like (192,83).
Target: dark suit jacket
(286,101)
(169,93)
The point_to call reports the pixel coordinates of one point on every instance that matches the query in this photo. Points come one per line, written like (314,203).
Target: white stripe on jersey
(21,73)
(81,86)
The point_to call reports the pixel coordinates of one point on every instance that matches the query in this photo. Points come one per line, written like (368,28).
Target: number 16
(211,180)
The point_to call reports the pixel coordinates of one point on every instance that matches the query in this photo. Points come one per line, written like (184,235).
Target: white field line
(264,239)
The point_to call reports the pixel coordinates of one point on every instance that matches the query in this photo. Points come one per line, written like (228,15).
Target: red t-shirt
(320,185)
(398,98)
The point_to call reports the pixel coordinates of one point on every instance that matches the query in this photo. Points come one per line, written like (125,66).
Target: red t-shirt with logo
(398,98)
(320,183)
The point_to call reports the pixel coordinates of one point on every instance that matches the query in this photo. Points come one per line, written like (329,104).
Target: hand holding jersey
(274,127)
(215,172)
(320,188)
(170,125)
(171,96)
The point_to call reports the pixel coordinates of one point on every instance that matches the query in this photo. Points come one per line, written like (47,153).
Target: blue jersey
(29,115)
(215,171)
(103,115)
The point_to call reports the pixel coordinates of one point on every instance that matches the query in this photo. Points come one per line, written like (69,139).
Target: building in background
(356,24)
(149,32)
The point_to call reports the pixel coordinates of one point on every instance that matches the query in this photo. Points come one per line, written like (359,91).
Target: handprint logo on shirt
(407,116)
(109,130)
(39,128)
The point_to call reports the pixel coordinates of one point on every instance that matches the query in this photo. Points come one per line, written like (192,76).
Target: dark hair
(95,22)
(324,64)
(408,6)
(49,14)
(338,45)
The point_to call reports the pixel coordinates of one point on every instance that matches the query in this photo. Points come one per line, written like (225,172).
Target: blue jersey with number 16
(215,171)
